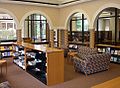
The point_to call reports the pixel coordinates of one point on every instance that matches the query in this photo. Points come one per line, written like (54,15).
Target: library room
(59,43)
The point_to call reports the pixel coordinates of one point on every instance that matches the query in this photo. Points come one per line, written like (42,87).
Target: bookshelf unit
(114,50)
(18,56)
(77,36)
(43,62)
(6,49)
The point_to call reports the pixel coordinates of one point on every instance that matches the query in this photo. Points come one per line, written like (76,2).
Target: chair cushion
(81,56)
(5,85)
(87,50)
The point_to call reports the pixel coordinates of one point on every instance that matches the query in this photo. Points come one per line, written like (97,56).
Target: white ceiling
(53,3)
(50,1)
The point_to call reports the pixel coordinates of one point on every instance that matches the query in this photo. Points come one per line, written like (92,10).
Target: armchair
(91,62)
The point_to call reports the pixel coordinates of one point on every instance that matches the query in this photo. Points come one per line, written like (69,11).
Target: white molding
(73,3)
(75,11)
(32,12)
(37,12)
(12,15)
(60,5)
(102,8)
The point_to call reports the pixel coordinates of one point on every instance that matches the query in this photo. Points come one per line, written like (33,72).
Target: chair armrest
(78,58)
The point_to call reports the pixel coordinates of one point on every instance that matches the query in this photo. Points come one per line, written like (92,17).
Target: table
(114,83)
(71,54)
(3,62)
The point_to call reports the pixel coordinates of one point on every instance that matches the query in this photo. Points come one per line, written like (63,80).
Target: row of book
(115,59)
(115,52)
(4,54)
(2,48)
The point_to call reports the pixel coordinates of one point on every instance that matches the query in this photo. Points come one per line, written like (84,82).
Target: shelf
(38,74)
(6,56)
(21,66)
(115,55)
(41,62)
(112,49)
(5,50)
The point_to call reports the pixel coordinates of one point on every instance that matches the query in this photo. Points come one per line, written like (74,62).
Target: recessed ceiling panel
(45,2)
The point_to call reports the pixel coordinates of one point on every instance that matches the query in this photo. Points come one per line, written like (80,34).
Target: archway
(36,12)
(95,16)
(11,14)
(78,31)
(7,27)
(108,26)
(36,27)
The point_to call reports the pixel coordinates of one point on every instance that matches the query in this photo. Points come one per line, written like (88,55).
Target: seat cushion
(87,50)
(5,85)
(81,56)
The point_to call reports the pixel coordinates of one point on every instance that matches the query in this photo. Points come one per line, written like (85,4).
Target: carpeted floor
(18,78)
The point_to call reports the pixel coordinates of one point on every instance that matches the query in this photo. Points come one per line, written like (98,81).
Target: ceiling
(54,3)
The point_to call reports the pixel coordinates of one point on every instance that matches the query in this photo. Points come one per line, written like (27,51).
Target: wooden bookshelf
(6,49)
(54,61)
(114,50)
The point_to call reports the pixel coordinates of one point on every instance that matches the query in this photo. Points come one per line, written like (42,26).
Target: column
(51,44)
(66,38)
(62,38)
(59,39)
(92,38)
(19,35)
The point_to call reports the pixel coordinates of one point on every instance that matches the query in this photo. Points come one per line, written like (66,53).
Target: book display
(6,49)
(103,37)
(43,62)
(112,49)
(18,54)
(76,38)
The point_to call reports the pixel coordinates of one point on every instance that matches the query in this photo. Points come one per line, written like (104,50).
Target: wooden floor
(114,83)
(18,78)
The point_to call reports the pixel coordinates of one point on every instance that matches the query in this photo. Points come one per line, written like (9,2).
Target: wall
(90,9)
(58,18)
(20,12)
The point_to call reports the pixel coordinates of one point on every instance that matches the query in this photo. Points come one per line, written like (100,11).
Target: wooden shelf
(112,49)
(54,61)
(6,49)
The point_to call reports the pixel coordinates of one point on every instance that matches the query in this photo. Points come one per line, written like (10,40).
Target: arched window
(108,26)
(7,27)
(36,27)
(78,28)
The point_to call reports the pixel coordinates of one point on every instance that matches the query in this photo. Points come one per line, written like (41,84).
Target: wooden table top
(114,83)
(44,47)
(107,45)
(72,53)
(2,61)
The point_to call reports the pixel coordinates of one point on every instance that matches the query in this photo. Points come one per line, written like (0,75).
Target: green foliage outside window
(79,25)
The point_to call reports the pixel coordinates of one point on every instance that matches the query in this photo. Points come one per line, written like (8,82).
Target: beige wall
(90,9)
(21,11)
(58,17)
